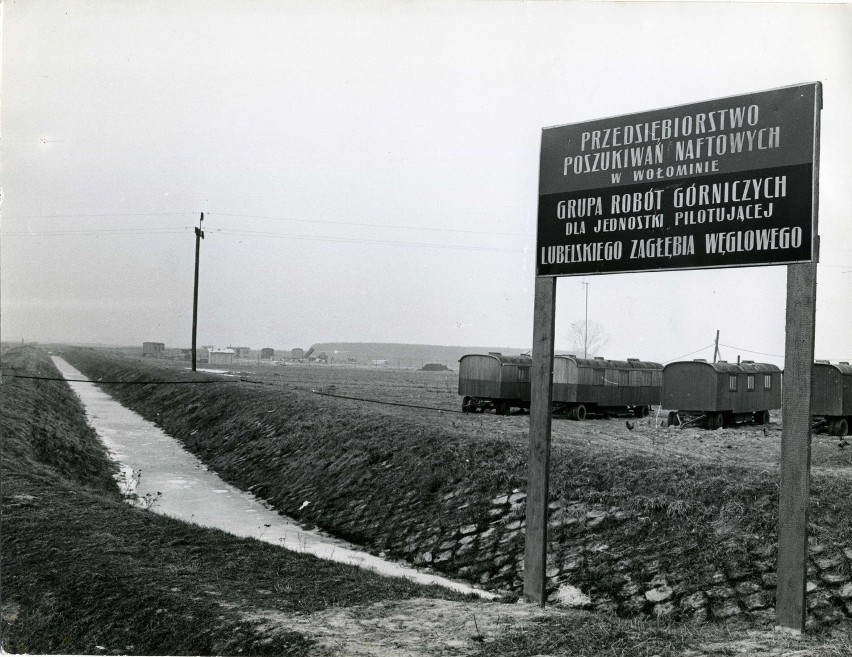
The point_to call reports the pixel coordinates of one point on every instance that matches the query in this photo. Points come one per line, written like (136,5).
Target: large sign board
(721,183)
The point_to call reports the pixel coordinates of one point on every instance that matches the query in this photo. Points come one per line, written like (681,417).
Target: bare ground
(431,628)
(421,627)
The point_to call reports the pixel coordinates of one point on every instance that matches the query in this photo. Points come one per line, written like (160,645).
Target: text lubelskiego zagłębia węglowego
(715,187)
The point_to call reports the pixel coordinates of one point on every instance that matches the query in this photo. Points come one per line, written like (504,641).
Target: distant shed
(267,353)
(220,356)
(153,349)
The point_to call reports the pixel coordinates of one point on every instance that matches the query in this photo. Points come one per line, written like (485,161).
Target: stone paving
(624,579)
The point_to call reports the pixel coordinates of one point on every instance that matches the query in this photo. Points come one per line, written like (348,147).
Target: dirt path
(432,628)
(422,627)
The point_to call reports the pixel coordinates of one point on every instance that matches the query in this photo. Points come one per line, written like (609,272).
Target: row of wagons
(580,385)
(719,394)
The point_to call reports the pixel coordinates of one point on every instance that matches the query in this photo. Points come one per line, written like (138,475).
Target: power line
(127,383)
(749,351)
(761,353)
(99,231)
(107,214)
(355,223)
(227,231)
(379,401)
(690,353)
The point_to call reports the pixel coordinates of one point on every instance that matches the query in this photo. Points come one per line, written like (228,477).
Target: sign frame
(791,610)
(769,131)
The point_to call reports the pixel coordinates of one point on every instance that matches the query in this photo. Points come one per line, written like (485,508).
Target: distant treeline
(403,355)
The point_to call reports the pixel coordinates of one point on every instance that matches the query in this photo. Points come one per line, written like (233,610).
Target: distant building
(321,357)
(267,353)
(220,356)
(379,361)
(186,354)
(241,352)
(153,349)
(297,354)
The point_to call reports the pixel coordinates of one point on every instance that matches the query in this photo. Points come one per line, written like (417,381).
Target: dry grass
(692,510)
(83,572)
(696,515)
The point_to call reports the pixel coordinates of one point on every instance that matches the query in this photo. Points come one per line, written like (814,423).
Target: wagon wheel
(714,421)
(502,407)
(672,419)
(578,412)
(641,411)
(466,405)
(761,417)
(841,427)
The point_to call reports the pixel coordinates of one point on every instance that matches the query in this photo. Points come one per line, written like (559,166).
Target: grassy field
(83,572)
(213,596)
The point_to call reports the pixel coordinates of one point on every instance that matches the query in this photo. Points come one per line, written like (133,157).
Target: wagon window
(732,382)
(523,374)
(750,382)
(597,377)
(623,378)
(767,381)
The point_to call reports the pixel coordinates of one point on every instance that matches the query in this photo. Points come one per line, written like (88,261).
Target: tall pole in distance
(716,350)
(199,235)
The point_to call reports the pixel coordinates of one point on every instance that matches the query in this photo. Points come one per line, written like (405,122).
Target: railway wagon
(597,385)
(723,393)
(832,396)
(495,381)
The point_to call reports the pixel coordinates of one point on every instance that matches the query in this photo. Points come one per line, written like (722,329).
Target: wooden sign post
(730,182)
(541,391)
(796,448)
(797,428)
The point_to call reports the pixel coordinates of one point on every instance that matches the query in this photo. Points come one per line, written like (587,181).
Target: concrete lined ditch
(173,482)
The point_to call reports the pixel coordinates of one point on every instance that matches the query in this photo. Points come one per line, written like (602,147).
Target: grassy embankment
(83,572)
(379,480)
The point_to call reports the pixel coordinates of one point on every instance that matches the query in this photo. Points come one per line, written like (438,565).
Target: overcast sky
(369,170)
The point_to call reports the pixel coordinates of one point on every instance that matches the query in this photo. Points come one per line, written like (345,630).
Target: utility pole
(199,235)
(716,351)
(586,331)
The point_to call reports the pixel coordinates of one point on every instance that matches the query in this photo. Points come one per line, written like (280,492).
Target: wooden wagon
(612,387)
(495,381)
(831,402)
(722,393)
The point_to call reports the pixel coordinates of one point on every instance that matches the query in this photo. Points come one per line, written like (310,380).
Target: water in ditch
(175,483)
